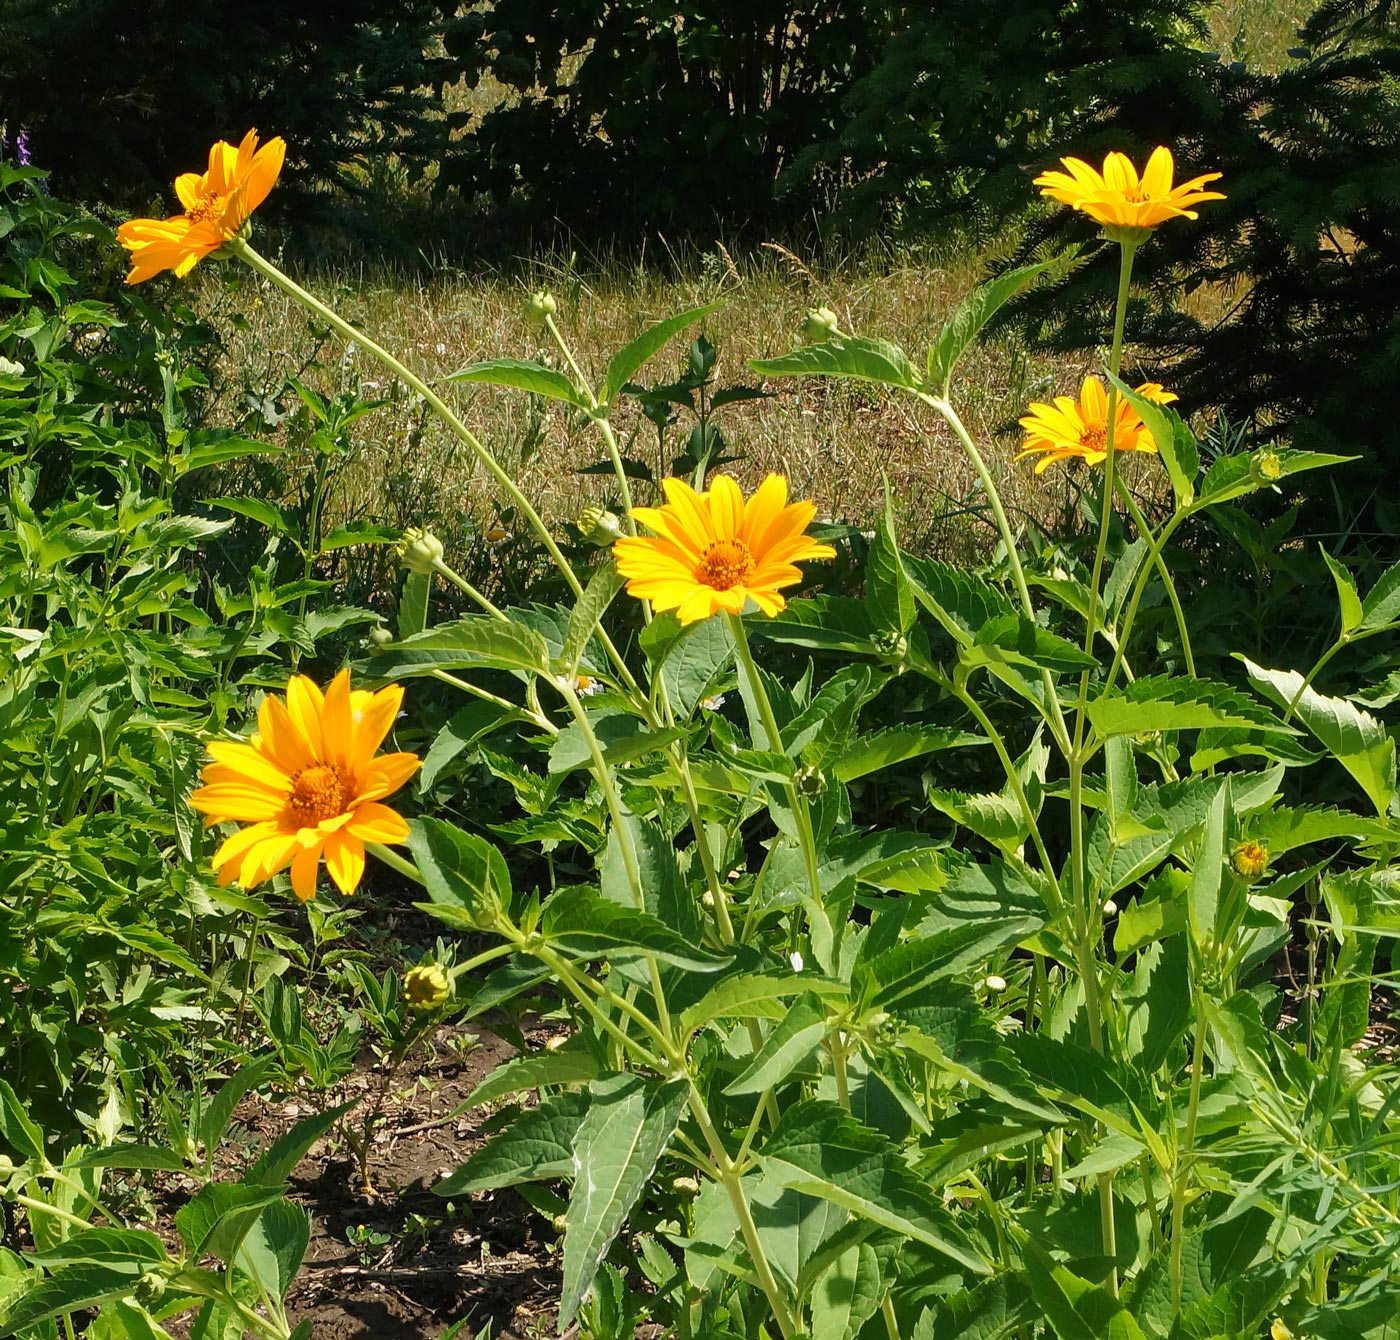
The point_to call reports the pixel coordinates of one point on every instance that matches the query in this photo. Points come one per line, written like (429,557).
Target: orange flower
(308,784)
(713,551)
(1119,199)
(217,205)
(1079,428)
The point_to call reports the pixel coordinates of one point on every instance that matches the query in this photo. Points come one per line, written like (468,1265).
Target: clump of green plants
(929,957)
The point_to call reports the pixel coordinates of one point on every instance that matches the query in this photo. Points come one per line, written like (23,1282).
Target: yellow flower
(1070,427)
(426,988)
(308,784)
(1250,859)
(217,205)
(1118,198)
(713,551)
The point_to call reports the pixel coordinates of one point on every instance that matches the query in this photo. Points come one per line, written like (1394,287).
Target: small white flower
(796,960)
(713,703)
(586,686)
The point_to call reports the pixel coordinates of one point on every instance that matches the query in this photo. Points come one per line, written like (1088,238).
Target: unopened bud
(687,1186)
(540,308)
(380,636)
(150,1289)
(426,988)
(820,323)
(599,526)
(1249,860)
(810,782)
(1278,1330)
(419,550)
(1266,467)
(891,646)
(1110,908)
(996,985)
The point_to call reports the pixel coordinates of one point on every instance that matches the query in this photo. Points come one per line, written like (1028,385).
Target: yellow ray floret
(1078,429)
(217,204)
(308,784)
(714,551)
(1118,197)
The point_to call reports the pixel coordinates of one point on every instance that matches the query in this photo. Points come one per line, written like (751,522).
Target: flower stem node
(598,526)
(540,308)
(1250,860)
(426,988)
(809,781)
(419,551)
(820,323)
(1266,467)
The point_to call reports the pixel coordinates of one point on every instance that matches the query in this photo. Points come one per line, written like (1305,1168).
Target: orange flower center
(210,207)
(318,793)
(726,564)
(1094,437)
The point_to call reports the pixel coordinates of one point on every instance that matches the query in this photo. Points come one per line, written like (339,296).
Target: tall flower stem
(1164,572)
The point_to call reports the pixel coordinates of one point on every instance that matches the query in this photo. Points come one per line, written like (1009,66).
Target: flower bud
(426,988)
(820,323)
(540,308)
(996,985)
(891,647)
(1110,908)
(1278,1330)
(380,636)
(1266,467)
(687,1186)
(419,550)
(1250,859)
(810,782)
(599,526)
(150,1289)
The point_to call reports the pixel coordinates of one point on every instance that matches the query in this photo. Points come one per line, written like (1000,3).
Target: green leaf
(1208,869)
(587,614)
(629,1123)
(983,303)
(216,1220)
(664,890)
(220,1108)
(17,1128)
(567,1066)
(67,1291)
(961,601)
(137,1247)
(1075,1309)
(273,1250)
(845,356)
(1232,476)
(624,364)
(476,642)
(521,375)
(738,996)
(1120,780)
(847,1294)
(459,869)
(256,509)
(622,736)
(1176,444)
(697,664)
(464,728)
(134,1157)
(1167,703)
(274,1165)
(887,590)
(795,1038)
(582,923)
(1013,639)
(1381,608)
(413,604)
(1355,738)
(1348,602)
(884,748)
(537,1146)
(359,532)
(819,1149)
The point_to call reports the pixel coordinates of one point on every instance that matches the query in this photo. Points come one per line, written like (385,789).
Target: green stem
(462,584)
(1164,572)
(1156,545)
(535,718)
(1181,1180)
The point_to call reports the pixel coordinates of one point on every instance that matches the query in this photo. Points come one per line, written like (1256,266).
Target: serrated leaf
(521,375)
(66,1291)
(1208,869)
(17,1128)
(220,1107)
(1233,476)
(256,509)
(887,589)
(1381,607)
(587,614)
(983,303)
(459,869)
(582,923)
(847,1294)
(567,1066)
(883,749)
(1168,703)
(625,363)
(738,996)
(476,642)
(275,1164)
(696,663)
(845,356)
(629,1123)
(104,1246)
(1348,602)
(1076,1309)
(273,1250)
(537,1146)
(1354,738)
(961,601)
(797,1035)
(359,532)
(1012,639)
(217,1218)
(1176,444)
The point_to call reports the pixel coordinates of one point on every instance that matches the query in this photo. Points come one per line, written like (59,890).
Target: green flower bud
(540,308)
(599,526)
(891,647)
(380,636)
(1266,467)
(810,782)
(426,988)
(150,1289)
(820,323)
(419,550)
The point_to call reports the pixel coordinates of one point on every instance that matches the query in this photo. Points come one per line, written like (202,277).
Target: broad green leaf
(464,728)
(819,1149)
(1348,602)
(475,642)
(884,748)
(1012,639)
(273,1250)
(1076,1309)
(847,1294)
(983,303)
(665,894)
(567,1066)
(887,590)
(1162,820)
(1235,475)
(1166,703)
(67,1291)
(981,1313)
(137,1247)
(697,664)
(1355,738)
(741,995)
(1120,780)
(358,532)
(790,1043)
(845,356)
(582,923)
(991,816)
(587,613)
(1381,607)
(537,1146)
(824,623)
(622,736)
(459,869)
(1176,444)
(1208,869)
(220,1107)
(219,1216)
(629,1123)
(413,604)
(962,602)
(17,1128)
(256,509)
(521,375)
(135,1157)
(274,1165)
(624,364)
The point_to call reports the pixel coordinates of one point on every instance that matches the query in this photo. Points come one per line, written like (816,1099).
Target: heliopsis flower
(1079,428)
(308,784)
(1119,199)
(217,205)
(713,551)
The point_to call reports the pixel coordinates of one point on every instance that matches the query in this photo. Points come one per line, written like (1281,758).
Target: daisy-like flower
(1120,199)
(714,551)
(308,784)
(217,205)
(1079,428)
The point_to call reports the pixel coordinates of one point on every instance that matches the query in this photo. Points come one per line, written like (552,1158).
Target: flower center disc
(211,207)
(726,563)
(1094,437)
(318,793)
